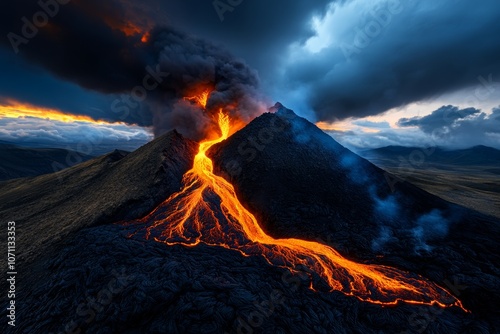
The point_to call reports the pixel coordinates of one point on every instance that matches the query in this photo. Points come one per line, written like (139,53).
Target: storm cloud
(371,56)
(439,119)
(78,43)
(454,127)
(260,31)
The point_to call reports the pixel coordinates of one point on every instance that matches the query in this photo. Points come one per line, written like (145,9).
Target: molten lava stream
(208,211)
(201,99)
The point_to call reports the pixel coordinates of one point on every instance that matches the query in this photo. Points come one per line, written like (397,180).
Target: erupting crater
(206,210)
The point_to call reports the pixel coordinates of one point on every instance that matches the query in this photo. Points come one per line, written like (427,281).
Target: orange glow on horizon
(206,210)
(326,126)
(344,126)
(15,109)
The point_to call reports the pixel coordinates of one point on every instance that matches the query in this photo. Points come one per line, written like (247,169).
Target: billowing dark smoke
(195,66)
(81,41)
(103,47)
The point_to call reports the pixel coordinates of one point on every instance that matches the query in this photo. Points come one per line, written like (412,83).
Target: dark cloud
(194,65)
(71,59)
(76,44)
(84,35)
(443,117)
(453,127)
(386,54)
(258,30)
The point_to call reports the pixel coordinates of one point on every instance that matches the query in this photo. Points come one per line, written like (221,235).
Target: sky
(370,73)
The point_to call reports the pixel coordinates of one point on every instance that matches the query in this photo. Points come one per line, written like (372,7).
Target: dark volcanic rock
(301,182)
(113,187)
(104,282)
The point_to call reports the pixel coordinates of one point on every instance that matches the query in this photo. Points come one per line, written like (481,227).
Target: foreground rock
(104,282)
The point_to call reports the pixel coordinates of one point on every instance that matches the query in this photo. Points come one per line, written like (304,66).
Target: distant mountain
(98,148)
(392,156)
(16,161)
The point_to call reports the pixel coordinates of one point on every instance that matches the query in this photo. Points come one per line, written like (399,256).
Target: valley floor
(477,188)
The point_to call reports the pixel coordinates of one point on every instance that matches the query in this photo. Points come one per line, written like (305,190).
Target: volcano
(273,228)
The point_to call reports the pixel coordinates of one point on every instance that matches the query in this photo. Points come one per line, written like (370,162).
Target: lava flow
(201,99)
(206,210)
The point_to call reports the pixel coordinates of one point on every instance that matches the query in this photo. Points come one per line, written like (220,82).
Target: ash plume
(117,52)
(193,66)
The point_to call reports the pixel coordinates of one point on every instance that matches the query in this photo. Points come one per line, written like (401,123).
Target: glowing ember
(145,37)
(200,99)
(208,211)
(130,27)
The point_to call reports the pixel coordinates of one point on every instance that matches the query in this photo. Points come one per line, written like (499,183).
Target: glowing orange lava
(201,99)
(206,210)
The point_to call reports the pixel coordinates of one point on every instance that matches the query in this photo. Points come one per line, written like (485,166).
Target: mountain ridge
(17,161)
(476,155)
